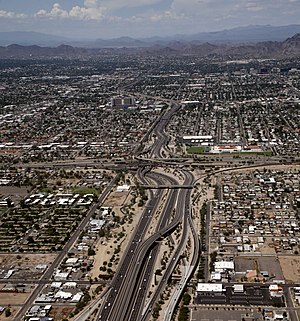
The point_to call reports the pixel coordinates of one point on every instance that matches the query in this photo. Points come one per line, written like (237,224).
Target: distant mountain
(249,34)
(30,38)
(245,35)
(42,39)
(34,51)
(265,49)
(116,43)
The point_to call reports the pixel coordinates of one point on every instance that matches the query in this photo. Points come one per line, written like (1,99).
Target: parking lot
(225,314)
(252,295)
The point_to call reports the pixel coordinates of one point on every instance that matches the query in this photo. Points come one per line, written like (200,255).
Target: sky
(92,19)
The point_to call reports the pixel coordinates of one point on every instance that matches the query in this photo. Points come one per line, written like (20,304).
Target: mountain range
(249,34)
(265,49)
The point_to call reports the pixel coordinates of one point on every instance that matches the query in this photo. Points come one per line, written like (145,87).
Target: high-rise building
(122,102)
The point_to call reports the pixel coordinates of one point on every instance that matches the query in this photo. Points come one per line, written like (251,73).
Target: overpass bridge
(167,186)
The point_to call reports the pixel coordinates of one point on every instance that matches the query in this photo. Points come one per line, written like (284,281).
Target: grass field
(196,150)
(86,190)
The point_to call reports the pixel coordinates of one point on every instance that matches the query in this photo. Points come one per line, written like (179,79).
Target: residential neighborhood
(149,187)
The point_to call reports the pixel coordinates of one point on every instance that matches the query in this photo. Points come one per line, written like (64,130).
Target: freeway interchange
(131,295)
(126,298)
(226,107)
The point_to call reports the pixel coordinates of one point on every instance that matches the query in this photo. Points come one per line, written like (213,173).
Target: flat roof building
(122,102)
(210,288)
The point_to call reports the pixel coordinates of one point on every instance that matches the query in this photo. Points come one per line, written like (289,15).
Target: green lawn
(196,150)
(86,190)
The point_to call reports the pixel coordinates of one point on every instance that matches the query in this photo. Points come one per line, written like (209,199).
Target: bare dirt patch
(268,247)
(25,266)
(106,246)
(259,263)
(16,193)
(290,266)
(116,199)
(13,298)
(13,310)
(61,312)
(25,259)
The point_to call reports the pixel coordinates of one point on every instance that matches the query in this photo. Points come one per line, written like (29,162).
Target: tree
(156,310)
(186,299)
(9,203)
(183,314)
(117,219)
(91,252)
(7,312)
(30,239)
(101,233)
(22,203)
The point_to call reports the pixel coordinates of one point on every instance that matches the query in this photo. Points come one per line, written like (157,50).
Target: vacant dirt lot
(7,260)
(61,312)
(290,267)
(16,193)
(260,263)
(12,298)
(116,199)
(14,310)
(268,247)
(24,265)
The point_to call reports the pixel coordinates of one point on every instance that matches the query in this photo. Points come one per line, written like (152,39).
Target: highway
(126,298)
(178,291)
(130,260)
(183,213)
(162,138)
(144,278)
(119,303)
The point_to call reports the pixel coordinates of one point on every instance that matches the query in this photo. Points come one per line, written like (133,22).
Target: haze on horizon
(91,19)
